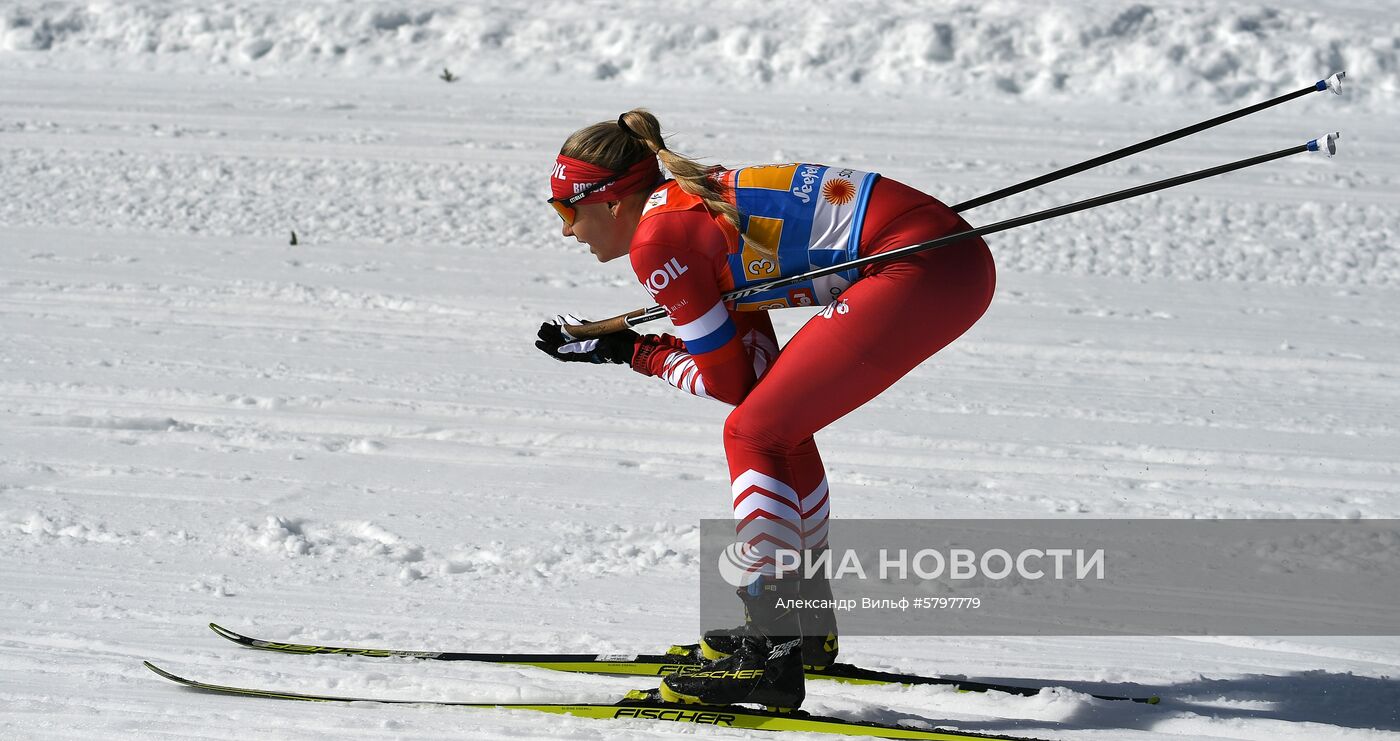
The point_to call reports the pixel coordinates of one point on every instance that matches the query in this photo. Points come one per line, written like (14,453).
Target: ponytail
(693,177)
(637,134)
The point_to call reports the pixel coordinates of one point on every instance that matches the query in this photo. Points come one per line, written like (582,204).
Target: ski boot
(819,635)
(765,667)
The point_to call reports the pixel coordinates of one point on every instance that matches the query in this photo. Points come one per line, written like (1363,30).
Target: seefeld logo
(809,176)
(738,564)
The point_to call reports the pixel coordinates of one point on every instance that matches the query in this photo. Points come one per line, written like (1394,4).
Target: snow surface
(1140,51)
(353,440)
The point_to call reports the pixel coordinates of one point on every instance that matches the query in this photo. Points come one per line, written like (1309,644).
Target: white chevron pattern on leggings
(816,509)
(768,517)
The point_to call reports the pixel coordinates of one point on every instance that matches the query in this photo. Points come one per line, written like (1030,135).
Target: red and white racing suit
(878,325)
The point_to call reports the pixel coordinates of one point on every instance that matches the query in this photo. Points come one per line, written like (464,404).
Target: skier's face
(606,228)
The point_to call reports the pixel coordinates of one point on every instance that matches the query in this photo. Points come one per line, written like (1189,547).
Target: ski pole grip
(1333,83)
(1325,144)
(594,330)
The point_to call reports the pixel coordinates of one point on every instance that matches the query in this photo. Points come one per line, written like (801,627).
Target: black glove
(610,348)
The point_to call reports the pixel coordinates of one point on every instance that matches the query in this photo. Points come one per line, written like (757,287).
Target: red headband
(573,176)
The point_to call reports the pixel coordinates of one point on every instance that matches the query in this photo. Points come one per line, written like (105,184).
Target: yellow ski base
(640,705)
(678,659)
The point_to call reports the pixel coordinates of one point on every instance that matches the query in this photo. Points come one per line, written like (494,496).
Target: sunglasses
(565,206)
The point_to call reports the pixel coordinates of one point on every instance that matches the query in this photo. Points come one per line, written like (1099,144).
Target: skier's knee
(755,432)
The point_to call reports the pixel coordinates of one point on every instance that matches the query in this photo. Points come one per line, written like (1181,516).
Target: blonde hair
(617,145)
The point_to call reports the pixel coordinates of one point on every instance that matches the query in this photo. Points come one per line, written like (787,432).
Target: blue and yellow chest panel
(810,216)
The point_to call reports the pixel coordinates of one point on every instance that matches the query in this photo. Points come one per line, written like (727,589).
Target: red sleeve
(680,271)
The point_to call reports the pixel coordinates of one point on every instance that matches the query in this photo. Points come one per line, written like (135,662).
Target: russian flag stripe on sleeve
(707,332)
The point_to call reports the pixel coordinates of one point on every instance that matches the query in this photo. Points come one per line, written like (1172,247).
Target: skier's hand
(610,348)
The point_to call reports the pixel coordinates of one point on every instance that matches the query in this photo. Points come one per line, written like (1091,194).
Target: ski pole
(1333,83)
(1325,144)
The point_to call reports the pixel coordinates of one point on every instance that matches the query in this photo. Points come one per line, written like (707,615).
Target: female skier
(710,230)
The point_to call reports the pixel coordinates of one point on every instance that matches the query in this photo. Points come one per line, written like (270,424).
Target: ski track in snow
(353,440)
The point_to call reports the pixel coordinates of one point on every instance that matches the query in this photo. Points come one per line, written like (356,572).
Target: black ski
(643,705)
(677,660)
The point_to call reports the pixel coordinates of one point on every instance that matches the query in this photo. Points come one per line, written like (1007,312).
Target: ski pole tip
(1326,143)
(1333,83)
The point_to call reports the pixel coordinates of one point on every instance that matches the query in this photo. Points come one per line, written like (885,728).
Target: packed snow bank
(1009,48)
(473,181)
